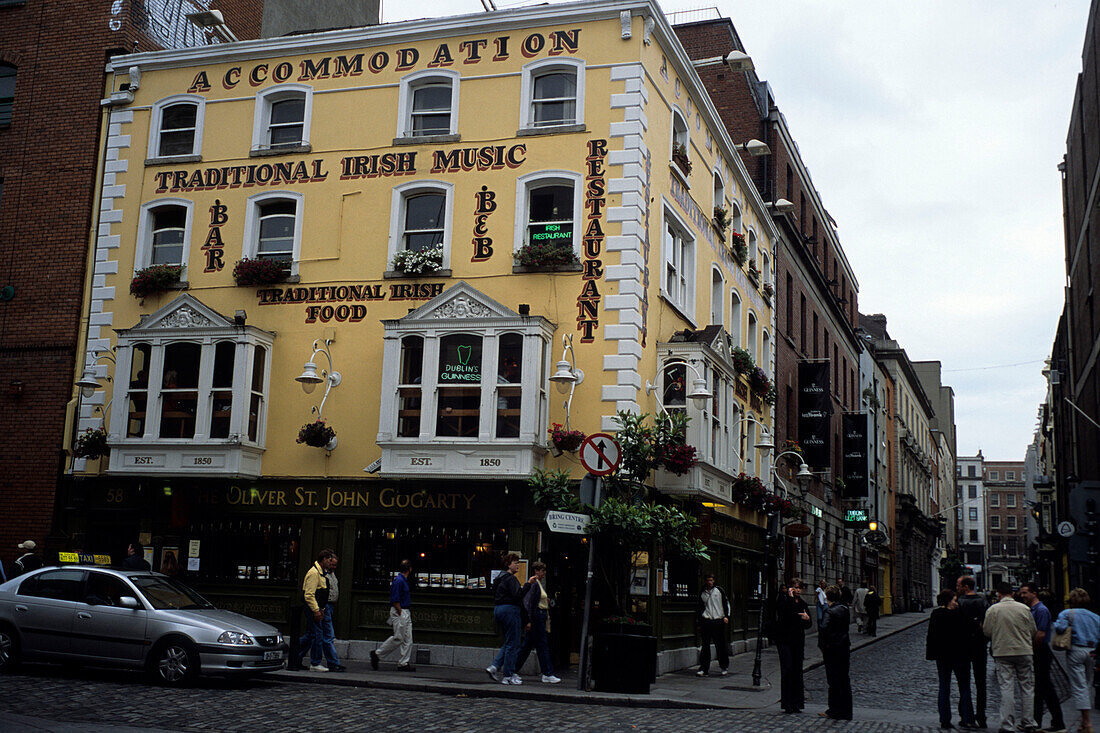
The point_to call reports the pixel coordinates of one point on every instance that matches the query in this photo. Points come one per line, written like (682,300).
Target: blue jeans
(320,637)
(508,619)
(961,670)
(538,640)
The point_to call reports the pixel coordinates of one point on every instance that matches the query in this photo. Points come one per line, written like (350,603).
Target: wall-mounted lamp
(781,206)
(735,60)
(88,381)
(309,378)
(567,375)
(215,21)
(755,148)
(699,394)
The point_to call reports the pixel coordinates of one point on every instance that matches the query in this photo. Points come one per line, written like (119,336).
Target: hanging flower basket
(564,440)
(252,272)
(680,459)
(316,434)
(792,445)
(545,255)
(742,360)
(92,443)
(155,279)
(759,382)
(419,262)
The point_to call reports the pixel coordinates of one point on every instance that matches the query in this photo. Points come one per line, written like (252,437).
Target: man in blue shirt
(1044,689)
(400,620)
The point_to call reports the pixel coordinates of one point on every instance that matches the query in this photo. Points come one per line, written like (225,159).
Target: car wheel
(174,662)
(9,649)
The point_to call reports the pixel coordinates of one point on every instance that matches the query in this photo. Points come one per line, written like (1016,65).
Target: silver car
(129,618)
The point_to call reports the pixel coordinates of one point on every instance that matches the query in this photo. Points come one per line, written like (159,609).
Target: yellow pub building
(400,230)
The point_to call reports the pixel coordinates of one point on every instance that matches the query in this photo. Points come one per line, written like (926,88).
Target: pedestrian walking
(536,605)
(792,618)
(872,605)
(713,616)
(507,600)
(1084,628)
(846,595)
(400,621)
(945,645)
(29,560)
(822,601)
(135,557)
(835,644)
(1011,631)
(1045,694)
(973,608)
(859,608)
(319,634)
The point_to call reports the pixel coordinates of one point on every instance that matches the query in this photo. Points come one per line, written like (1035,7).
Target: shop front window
(459,386)
(445,557)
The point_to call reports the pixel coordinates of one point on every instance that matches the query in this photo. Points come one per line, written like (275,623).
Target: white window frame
(766,351)
(736,331)
(397,215)
(252,223)
(144,254)
(538,179)
(527,90)
(262,117)
(750,241)
(1012,522)
(156,120)
(717,296)
(720,195)
(685,265)
(736,219)
(994,499)
(409,84)
(1010,500)
(995,521)
(752,336)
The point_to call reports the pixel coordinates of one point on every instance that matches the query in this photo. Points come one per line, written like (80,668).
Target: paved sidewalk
(682,689)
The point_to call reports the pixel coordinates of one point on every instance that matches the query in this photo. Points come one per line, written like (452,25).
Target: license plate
(268,656)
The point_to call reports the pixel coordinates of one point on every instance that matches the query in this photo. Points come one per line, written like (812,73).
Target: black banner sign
(855,454)
(814,410)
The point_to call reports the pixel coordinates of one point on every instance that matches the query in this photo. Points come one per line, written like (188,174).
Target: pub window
(180,390)
(674,394)
(256,394)
(273,227)
(259,550)
(752,348)
(176,126)
(7,93)
(459,403)
(552,93)
(408,389)
(138,397)
(420,216)
(548,203)
(446,557)
(221,392)
(282,118)
(509,385)
(429,104)
(164,234)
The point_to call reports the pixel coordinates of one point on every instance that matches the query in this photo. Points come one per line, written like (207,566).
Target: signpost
(567,522)
(600,454)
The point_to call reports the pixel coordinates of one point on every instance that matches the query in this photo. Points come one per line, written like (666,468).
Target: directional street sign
(567,522)
(600,454)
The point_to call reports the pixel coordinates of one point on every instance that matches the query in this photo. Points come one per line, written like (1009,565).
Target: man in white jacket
(1011,630)
(858,607)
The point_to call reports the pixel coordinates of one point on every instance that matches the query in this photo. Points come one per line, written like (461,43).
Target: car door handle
(84,614)
(21,608)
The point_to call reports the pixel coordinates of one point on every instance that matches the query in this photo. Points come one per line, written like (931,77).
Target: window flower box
(754,271)
(768,290)
(418,262)
(155,279)
(260,271)
(742,360)
(681,159)
(317,434)
(721,221)
(738,248)
(92,443)
(545,256)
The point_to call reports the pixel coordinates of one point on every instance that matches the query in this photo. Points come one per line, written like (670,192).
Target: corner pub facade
(462,138)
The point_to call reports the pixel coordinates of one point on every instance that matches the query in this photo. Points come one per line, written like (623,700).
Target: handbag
(1064,639)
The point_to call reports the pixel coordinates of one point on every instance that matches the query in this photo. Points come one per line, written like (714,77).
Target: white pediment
(184,313)
(460,302)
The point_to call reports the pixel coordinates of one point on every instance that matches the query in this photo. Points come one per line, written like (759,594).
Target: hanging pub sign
(814,412)
(460,359)
(855,454)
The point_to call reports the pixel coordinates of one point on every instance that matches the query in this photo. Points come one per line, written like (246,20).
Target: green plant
(721,219)
(250,272)
(92,443)
(550,490)
(754,270)
(155,279)
(316,434)
(680,157)
(742,360)
(545,254)
(419,262)
(738,248)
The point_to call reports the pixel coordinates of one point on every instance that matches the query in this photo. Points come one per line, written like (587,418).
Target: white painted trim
(397,214)
(262,115)
(144,250)
(525,183)
(410,82)
(156,117)
(252,223)
(527,89)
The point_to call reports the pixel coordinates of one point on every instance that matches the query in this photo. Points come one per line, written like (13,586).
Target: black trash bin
(624,662)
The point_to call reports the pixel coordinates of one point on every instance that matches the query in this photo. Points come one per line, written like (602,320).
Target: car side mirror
(128,602)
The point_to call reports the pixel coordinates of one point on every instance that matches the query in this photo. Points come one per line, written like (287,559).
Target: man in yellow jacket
(317,593)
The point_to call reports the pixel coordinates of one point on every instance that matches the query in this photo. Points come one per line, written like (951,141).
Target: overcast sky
(933,131)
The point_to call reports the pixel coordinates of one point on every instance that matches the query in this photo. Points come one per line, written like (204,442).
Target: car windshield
(166,593)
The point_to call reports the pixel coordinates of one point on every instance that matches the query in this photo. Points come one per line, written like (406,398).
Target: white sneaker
(507,681)
(492,672)
(317,668)
(551,679)
(725,672)
(516,679)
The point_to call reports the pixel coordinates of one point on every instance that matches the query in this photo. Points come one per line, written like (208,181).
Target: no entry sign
(600,454)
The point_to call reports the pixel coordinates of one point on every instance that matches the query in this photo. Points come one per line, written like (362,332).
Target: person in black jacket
(972,606)
(135,557)
(713,614)
(507,611)
(835,644)
(946,645)
(792,618)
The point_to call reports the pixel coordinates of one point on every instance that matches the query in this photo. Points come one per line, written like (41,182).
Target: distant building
(1006,515)
(970,516)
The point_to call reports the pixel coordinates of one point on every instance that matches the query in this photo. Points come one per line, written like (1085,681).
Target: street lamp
(567,375)
(699,394)
(309,378)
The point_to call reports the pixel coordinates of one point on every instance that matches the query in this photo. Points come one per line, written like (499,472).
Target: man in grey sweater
(1011,631)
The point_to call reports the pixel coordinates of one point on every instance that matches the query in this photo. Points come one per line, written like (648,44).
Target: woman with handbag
(1077,630)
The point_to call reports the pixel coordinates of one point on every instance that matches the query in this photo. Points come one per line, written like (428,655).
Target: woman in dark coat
(792,618)
(947,646)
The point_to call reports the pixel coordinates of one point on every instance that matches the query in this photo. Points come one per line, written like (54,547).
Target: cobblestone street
(894,691)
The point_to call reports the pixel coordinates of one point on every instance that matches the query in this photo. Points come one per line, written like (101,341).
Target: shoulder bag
(1064,639)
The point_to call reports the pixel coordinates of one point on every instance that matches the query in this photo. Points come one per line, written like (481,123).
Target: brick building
(52,56)
(1007,516)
